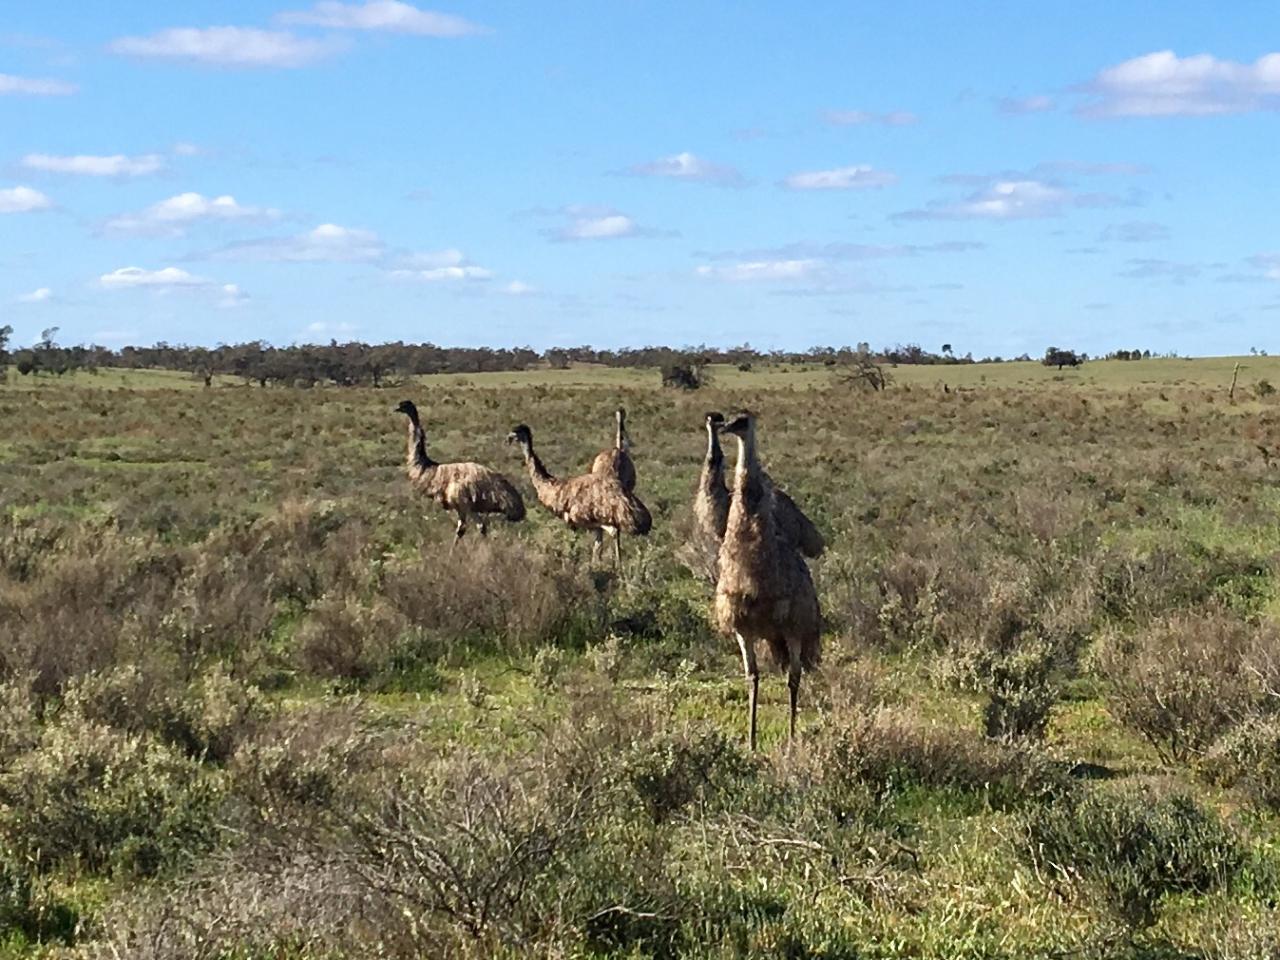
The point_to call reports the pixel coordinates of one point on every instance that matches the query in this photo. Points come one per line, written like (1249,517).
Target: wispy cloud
(687,166)
(1135,231)
(23,200)
(116,165)
(439,265)
(385,15)
(1021,106)
(859,177)
(1035,194)
(169,279)
(518,288)
(35,86)
(763,270)
(1154,269)
(1162,84)
(842,251)
(327,243)
(39,295)
(857,118)
(594,223)
(226,47)
(127,277)
(173,216)
(1268,263)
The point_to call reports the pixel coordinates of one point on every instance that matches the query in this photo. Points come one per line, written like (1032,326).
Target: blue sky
(996,176)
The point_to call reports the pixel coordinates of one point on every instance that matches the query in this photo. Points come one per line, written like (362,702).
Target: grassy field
(252,707)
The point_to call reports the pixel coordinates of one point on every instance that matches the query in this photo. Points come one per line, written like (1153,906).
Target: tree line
(355,363)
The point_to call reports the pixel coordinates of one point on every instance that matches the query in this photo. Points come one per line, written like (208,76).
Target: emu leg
(793,685)
(484,527)
(595,545)
(617,548)
(753,683)
(460,531)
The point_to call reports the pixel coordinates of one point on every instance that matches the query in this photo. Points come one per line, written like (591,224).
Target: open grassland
(252,707)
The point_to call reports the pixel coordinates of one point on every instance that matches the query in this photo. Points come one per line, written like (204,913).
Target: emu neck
(620,441)
(416,458)
(537,472)
(715,455)
(748,478)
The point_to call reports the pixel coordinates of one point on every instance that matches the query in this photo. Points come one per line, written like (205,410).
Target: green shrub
(97,798)
(667,772)
(1131,848)
(1248,757)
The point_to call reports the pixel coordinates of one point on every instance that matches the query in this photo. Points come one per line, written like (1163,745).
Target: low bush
(1247,757)
(1131,848)
(92,797)
(1185,679)
(889,750)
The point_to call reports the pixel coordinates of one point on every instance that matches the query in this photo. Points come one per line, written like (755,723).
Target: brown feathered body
(464,488)
(590,501)
(615,461)
(764,590)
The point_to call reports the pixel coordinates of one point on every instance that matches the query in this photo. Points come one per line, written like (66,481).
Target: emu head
(715,420)
(742,425)
(520,434)
(407,407)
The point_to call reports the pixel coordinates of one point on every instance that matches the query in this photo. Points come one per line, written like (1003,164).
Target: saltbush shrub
(93,797)
(1185,679)
(1131,848)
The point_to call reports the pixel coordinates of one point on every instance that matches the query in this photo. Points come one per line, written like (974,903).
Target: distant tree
(946,348)
(1058,357)
(863,371)
(684,374)
(5,333)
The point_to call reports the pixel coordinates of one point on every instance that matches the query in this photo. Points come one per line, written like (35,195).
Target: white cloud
(439,265)
(116,165)
(854,118)
(591,222)
(40,295)
(231,296)
(169,279)
(321,326)
(326,243)
(388,15)
(1162,84)
(23,200)
(763,270)
(35,86)
(518,288)
(686,166)
(183,149)
(604,227)
(171,217)
(1010,199)
(1024,105)
(225,46)
(857,177)
(127,277)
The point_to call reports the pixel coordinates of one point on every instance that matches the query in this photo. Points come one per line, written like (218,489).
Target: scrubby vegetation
(252,707)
